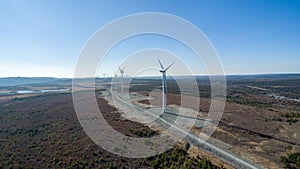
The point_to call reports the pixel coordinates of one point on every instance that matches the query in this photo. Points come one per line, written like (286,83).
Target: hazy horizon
(245,74)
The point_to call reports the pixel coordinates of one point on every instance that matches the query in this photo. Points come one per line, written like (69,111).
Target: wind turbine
(122,71)
(164,82)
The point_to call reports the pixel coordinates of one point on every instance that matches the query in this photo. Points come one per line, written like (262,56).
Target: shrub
(291,161)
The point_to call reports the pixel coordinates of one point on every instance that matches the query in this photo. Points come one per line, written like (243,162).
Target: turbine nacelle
(121,70)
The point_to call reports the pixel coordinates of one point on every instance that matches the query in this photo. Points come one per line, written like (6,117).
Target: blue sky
(44,37)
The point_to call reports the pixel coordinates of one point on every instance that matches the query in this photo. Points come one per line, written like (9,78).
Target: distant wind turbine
(122,71)
(164,82)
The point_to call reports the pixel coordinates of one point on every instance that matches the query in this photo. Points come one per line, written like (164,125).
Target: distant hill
(16,81)
(263,77)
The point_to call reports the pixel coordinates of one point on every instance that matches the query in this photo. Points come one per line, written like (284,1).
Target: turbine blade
(120,69)
(160,64)
(169,66)
(123,69)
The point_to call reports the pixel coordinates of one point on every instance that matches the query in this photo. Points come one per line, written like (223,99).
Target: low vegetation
(291,161)
(44,132)
(291,117)
(144,133)
(178,158)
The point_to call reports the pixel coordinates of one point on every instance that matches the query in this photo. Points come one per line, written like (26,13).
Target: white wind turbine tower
(122,71)
(164,83)
(115,80)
